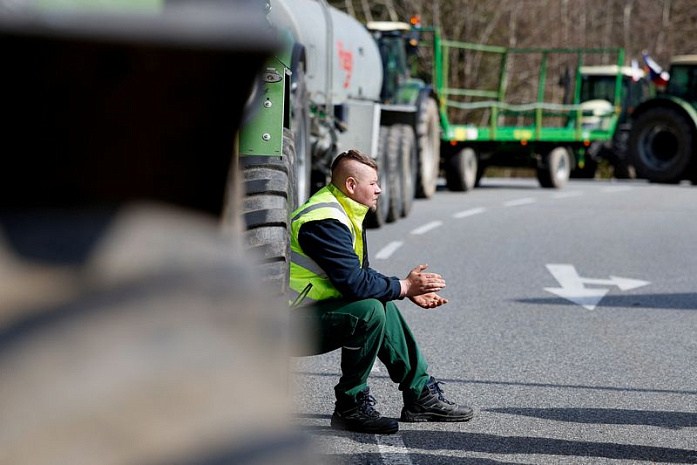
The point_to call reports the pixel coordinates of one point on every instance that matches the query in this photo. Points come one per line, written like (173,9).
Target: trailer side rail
(539,112)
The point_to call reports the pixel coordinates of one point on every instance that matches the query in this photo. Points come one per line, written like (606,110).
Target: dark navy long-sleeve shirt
(330,244)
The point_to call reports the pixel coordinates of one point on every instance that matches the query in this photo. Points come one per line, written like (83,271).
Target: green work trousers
(364,330)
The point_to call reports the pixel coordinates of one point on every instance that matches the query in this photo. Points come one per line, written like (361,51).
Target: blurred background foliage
(663,27)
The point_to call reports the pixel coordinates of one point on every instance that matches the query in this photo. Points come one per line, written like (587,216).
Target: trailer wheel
(661,144)
(377,218)
(554,168)
(428,146)
(409,166)
(269,200)
(461,170)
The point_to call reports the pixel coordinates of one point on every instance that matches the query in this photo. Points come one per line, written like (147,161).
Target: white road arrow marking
(587,298)
(573,286)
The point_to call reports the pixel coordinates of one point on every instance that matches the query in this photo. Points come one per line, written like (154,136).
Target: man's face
(366,189)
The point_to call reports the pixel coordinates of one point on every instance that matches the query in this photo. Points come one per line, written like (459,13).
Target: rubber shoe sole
(381,425)
(414,417)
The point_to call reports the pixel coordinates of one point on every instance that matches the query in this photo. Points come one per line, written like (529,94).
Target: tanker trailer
(342,76)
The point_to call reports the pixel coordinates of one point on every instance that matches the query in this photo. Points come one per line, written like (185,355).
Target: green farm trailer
(482,126)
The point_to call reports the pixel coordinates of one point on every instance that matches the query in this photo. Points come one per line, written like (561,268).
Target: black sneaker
(363,418)
(433,406)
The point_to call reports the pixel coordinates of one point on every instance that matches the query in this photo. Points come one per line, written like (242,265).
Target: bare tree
(663,27)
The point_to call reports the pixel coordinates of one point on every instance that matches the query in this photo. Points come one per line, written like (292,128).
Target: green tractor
(597,94)
(663,137)
(398,43)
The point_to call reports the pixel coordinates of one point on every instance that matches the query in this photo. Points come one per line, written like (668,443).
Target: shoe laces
(434,387)
(365,405)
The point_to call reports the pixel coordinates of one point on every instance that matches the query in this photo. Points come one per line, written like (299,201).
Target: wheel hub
(660,146)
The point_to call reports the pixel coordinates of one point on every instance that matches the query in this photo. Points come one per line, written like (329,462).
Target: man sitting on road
(348,305)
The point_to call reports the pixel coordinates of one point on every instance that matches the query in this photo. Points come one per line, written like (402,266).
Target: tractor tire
(301,134)
(661,145)
(554,168)
(394,165)
(377,218)
(409,165)
(461,170)
(111,366)
(269,200)
(428,148)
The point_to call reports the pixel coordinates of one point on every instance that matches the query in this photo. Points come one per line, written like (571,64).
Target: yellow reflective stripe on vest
(317,206)
(307,263)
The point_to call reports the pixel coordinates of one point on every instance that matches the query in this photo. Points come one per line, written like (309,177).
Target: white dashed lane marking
(519,202)
(470,212)
(388,250)
(427,227)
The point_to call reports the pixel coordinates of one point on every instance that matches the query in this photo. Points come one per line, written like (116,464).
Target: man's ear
(351,184)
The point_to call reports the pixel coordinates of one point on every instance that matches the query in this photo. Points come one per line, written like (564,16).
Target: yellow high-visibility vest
(328,203)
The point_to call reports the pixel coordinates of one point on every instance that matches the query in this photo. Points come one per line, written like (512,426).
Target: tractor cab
(390,39)
(397,41)
(683,78)
(598,92)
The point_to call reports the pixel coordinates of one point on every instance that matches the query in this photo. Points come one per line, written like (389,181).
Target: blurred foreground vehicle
(131,330)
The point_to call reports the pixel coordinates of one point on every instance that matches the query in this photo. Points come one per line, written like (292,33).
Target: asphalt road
(575,367)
